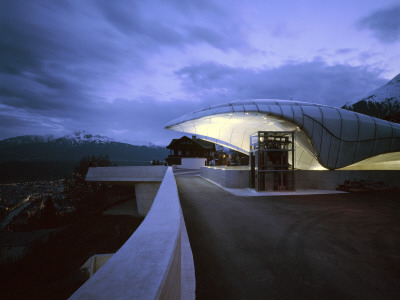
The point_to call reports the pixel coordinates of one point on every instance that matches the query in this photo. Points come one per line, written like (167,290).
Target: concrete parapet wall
(146,179)
(148,265)
(238,177)
(192,163)
(94,263)
(126,174)
(230,177)
(145,194)
(330,180)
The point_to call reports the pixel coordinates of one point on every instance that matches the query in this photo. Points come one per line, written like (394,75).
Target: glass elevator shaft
(272,161)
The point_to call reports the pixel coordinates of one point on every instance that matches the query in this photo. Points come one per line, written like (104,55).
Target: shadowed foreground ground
(52,270)
(342,246)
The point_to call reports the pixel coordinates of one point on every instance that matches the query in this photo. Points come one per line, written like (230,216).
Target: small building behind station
(190,153)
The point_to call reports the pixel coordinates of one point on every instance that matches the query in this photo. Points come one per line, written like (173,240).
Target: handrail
(148,265)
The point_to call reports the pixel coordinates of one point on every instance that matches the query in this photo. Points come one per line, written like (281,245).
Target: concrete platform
(146,179)
(338,246)
(248,192)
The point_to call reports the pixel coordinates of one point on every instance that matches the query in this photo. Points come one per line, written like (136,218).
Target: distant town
(21,201)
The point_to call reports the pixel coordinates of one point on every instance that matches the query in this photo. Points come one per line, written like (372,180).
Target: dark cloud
(344,51)
(137,121)
(177,31)
(55,54)
(384,24)
(68,65)
(310,81)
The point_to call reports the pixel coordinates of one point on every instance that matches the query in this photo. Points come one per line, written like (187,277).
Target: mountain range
(39,157)
(383,103)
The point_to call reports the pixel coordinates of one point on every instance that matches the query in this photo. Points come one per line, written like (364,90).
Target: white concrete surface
(145,194)
(126,174)
(192,163)
(94,263)
(187,266)
(248,192)
(148,265)
(146,180)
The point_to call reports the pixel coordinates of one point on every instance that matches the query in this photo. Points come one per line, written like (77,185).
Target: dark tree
(49,215)
(86,194)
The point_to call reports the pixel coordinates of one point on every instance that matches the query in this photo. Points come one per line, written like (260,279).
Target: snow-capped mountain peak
(82,136)
(77,137)
(390,91)
(381,103)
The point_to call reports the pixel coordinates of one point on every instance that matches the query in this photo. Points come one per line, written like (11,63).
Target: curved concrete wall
(148,265)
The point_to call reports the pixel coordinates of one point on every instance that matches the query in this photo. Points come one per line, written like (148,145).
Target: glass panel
(331,120)
(317,136)
(219,105)
(383,129)
(396,130)
(276,110)
(395,144)
(251,107)
(238,108)
(364,150)
(308,125)
(223,109)
(200,114)
(381,146)
(287,112)
(367,127)
(313,112)
(349,126)
(333,153)
(325,147)
(264,108)
(346,154)
(298,115)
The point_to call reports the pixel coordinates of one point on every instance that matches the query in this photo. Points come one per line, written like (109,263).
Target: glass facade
(272,161)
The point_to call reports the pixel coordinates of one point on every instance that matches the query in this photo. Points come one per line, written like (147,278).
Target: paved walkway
(343,246)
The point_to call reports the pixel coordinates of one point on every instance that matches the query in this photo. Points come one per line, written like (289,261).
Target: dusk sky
(126,68)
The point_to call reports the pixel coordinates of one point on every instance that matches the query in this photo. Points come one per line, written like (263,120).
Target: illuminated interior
(388,161)
(325,137)
(234,131)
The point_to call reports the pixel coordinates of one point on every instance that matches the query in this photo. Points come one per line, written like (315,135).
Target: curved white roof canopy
(326,137)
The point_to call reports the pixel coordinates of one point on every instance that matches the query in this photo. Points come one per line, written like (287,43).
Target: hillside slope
(46,157)
(73,147)
(383,102)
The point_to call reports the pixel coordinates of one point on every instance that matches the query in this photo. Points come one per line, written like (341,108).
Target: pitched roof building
(189,148)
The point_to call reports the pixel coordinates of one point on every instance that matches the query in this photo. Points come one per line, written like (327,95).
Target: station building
(285,137)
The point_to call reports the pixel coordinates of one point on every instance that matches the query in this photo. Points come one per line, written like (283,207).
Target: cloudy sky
(125,68)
